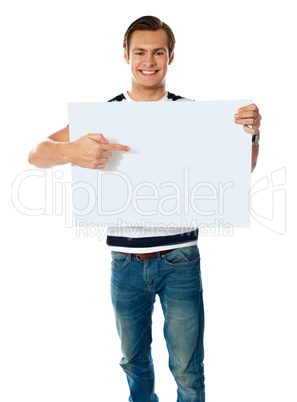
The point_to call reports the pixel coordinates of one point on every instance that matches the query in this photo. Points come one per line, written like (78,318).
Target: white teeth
(149,72)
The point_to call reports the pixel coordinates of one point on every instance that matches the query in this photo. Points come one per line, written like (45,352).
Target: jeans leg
(182,303)
(133,306)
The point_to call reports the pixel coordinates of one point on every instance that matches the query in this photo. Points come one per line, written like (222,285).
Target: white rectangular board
(189,164)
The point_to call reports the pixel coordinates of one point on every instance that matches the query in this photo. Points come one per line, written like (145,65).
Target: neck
(146,94)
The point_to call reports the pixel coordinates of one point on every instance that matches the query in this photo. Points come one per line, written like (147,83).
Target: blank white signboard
(189,164)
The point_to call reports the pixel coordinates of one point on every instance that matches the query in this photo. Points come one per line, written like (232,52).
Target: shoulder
(118,98)
(172,97)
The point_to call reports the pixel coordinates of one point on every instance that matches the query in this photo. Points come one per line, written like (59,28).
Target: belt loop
(158,255)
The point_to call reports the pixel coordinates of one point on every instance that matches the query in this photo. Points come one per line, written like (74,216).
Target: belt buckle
(137,257)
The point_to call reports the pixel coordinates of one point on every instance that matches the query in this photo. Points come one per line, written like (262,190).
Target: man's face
(149,58)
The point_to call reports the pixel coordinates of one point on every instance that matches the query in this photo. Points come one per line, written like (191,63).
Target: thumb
(99,138)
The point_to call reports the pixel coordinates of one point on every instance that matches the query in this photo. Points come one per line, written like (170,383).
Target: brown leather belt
(148,256)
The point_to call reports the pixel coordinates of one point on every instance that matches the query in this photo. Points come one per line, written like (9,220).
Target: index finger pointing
(116,147)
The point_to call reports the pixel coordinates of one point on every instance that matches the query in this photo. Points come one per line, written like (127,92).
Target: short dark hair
(149,23)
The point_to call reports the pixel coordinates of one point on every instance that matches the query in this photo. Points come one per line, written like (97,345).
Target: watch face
(256,137)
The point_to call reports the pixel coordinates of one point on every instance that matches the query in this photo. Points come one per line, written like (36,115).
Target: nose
(149,60)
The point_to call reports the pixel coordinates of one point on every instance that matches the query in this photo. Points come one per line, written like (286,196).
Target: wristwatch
(256,138)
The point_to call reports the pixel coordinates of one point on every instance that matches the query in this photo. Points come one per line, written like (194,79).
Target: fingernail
(236,116)
(127,149)
(239,110)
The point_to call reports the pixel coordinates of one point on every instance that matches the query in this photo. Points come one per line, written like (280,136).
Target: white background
(58,340)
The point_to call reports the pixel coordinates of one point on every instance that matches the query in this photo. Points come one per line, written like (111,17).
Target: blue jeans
(176,278)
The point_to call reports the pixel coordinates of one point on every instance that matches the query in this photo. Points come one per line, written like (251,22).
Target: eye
(159,53)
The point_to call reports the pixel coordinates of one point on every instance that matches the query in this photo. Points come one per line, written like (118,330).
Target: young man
(151,262)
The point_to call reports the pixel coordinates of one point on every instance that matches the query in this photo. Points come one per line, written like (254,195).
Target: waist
(148,256)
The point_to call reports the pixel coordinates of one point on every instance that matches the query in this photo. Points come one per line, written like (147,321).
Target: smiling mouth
(148,72)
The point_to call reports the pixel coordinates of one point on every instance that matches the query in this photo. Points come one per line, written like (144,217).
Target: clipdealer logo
(57,195)
(58,198)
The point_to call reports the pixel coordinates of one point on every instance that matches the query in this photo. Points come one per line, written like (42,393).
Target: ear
(126,57)
(171,59)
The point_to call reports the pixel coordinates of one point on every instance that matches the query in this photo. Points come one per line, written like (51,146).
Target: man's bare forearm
(255,152)
(49,153)
(89,151)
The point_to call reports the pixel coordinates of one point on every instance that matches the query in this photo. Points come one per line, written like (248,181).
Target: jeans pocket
(119,260)
(182,256)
